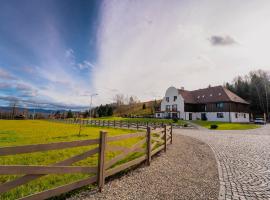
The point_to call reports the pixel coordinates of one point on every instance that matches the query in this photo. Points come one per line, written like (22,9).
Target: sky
(56,53)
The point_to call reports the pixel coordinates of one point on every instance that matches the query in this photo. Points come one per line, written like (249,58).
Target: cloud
(85,65)
(6,75)
(147,51)
(216,40)
(5,85)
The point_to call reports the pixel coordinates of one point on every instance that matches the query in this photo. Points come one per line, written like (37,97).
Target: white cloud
(146,46)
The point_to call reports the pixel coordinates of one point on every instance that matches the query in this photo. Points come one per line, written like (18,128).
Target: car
(259,121)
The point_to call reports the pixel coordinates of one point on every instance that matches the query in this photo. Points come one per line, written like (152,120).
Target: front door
(190,116)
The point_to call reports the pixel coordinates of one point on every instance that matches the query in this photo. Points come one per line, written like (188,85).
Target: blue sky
(57,52)
(47,47)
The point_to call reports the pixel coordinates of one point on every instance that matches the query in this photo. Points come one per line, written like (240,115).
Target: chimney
(182,88)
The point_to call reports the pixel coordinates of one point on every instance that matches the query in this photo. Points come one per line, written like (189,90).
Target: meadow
(226,125)
(24,132)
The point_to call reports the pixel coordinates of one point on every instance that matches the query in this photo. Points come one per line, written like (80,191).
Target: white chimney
(182,88)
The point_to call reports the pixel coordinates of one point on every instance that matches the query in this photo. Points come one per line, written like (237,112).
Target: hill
(137,109)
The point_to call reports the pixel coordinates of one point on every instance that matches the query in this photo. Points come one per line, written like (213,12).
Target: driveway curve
(243,159)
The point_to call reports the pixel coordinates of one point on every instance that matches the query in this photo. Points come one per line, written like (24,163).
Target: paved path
(188,170)
(243,159)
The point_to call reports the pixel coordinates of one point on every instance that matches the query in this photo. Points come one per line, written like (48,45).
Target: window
(220,105)
(220,115)
(211,95)
(168,107)
(236,115)
(158,115)
(174,98)
(219,94)
(167,99)
(244,115)
(174,107)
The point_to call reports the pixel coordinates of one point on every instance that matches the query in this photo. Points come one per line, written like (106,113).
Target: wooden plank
(165,138)
(101,159)
(125,165)
(31,169)
(62,189)
(125,153)
(45,147)
(125,136)
(148,148)
(27,178)
(116,148)
(157,150)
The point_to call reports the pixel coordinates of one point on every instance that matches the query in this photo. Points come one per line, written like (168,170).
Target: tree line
(254,88)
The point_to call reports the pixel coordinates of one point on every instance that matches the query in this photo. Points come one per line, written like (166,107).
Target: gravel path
(243,161)
(187,171)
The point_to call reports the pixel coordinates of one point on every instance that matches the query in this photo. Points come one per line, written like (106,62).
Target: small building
(211,104)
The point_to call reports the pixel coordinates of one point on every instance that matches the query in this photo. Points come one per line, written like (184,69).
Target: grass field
(226,125)
(15,133)
(154,120)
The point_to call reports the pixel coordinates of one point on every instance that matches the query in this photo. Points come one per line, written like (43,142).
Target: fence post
(165,138)
(101,159)
(148,135)
(120,123)
(114,123)
(128,124)
(137,125)
(171,133)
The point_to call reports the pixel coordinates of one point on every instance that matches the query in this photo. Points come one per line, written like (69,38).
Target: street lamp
(91,96)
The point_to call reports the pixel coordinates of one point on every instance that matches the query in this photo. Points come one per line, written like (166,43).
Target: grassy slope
(226,125)
(136,109)
(14,133)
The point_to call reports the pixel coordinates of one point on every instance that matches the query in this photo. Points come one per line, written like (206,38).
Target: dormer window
(203,96)
(174,98)
(167,99)
(211,95)
(219,94)
(198,97)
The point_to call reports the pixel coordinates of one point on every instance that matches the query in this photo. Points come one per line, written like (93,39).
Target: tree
(69,114)
(255,88)
(144,106)
(119,99)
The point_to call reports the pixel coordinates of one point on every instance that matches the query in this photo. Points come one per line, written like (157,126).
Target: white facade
(173,105)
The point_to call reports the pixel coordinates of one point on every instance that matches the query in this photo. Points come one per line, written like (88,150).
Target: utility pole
(91,97)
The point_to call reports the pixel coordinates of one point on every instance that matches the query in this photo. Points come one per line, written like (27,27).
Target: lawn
(226,125)
(144,120)
(15,133)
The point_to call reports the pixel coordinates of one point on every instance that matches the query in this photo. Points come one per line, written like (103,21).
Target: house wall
(171,92)
(240,117)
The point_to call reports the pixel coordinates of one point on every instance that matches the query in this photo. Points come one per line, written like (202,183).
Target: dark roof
(210,95)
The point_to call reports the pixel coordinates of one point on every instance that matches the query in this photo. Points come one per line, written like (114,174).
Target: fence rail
(152,141)
(120,123)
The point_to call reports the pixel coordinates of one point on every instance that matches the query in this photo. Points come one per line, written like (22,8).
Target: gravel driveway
(187,171)
(243,160)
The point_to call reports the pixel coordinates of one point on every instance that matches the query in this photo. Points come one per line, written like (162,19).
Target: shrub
(213,126)
(175,120)
(186,125)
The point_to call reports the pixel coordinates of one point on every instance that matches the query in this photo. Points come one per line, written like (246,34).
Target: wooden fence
(151,142)
(118,123)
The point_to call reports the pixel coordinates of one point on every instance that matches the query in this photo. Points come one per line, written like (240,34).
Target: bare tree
(119,99)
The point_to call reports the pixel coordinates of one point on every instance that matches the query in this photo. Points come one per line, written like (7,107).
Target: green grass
(15,133)
(226,125)
(144,120)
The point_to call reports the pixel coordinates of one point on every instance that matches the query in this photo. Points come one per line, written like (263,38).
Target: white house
(212,104)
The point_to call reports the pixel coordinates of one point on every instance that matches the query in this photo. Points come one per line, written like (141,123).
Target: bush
(175,120)
(185,125)
(213,126)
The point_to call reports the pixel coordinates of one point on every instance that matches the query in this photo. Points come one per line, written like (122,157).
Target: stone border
(221,195)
